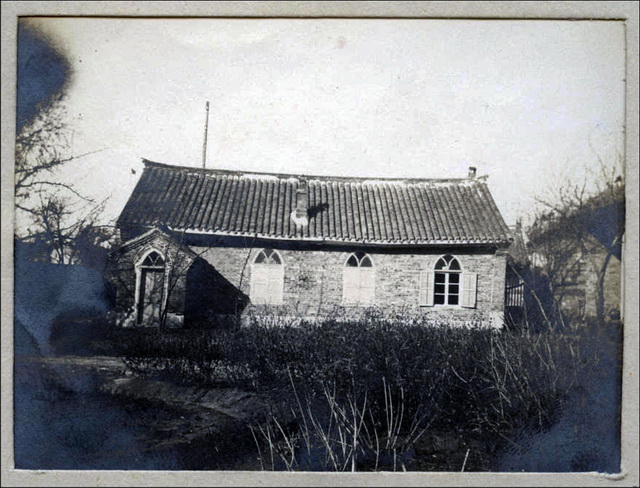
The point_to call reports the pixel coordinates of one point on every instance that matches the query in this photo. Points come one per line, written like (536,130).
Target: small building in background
(579,249)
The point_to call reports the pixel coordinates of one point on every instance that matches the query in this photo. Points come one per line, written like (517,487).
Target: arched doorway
(151,289)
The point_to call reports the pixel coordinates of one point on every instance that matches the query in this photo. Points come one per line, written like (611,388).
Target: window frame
(155,264)
(359,274)
(447,294)
(268,275)
(139,267)
(447,272)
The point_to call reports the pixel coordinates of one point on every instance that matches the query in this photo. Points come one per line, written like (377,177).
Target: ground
(89,413)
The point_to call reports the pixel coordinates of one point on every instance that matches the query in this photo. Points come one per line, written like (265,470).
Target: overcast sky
(528,102)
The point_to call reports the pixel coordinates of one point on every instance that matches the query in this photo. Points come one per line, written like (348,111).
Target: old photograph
(319,245)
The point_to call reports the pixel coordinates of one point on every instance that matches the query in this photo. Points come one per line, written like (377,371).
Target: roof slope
(381,211)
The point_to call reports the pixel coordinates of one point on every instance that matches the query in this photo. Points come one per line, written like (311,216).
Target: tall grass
(335,433)
(374,394)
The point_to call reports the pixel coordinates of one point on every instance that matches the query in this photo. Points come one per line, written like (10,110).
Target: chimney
(472,171)
(300,213)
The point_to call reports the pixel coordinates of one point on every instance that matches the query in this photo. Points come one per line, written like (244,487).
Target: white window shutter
(259,286)
(469,289)
(267,283)
(367,286)
(350,285)
(426,288)
(276,284)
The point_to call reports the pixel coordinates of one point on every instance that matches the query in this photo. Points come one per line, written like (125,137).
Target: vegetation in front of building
(375,395)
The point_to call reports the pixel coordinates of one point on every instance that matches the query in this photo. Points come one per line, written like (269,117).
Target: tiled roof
(375,211)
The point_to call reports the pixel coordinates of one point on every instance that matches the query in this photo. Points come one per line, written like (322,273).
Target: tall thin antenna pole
(204,143)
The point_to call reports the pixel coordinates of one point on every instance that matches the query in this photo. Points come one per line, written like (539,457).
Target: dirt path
(110,366)
(177,427)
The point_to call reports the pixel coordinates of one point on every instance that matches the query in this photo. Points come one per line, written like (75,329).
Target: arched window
(268,256)
(267,278)
(151,288)
(358,280)
(447,281)
(153,260)
(447,284)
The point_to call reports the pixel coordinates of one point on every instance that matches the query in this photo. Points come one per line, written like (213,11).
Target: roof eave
(338,240)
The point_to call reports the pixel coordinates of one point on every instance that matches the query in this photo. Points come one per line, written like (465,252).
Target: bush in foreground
(375,395)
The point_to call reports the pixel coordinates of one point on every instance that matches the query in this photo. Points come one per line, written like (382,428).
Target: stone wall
(313,282)
(122,274)
(218,283)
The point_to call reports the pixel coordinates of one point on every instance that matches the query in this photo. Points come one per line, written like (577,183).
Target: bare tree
(581,232)
(52,213)
(42,147)
(67,235)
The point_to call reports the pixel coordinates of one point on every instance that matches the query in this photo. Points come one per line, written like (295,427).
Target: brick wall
(313,283)
(122,276)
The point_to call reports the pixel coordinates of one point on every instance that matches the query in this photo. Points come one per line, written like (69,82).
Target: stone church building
(204,244)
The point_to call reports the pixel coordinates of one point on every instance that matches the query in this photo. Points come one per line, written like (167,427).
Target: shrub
(322,379)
